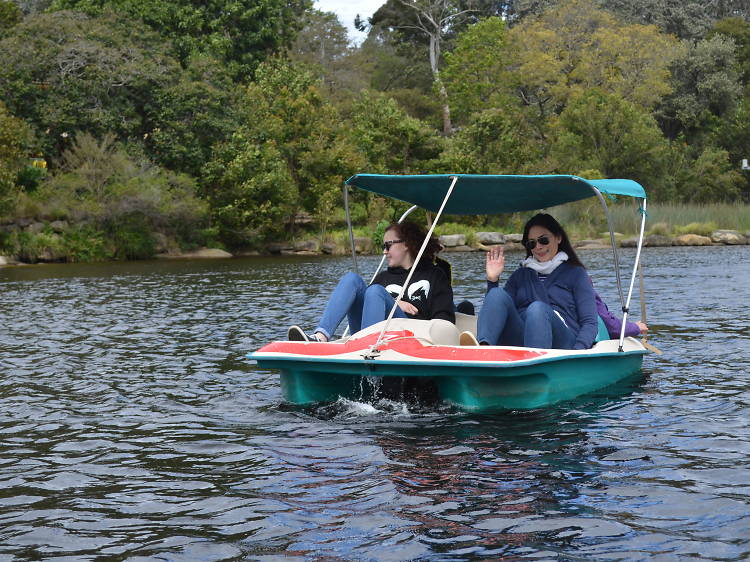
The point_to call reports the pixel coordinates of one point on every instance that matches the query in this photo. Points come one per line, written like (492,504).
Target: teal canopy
(487,195)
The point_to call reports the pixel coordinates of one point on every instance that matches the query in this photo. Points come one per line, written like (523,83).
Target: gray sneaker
(295,333)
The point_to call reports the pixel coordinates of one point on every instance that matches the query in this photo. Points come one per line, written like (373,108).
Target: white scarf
(545,267)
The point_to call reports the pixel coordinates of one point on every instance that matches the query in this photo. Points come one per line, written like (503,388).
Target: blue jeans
(362,305)
(500,323)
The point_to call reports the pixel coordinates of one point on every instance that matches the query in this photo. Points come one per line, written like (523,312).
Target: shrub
(133,238)
(87,244)
(126,198)
(660,229)
(702,228)
(32,247)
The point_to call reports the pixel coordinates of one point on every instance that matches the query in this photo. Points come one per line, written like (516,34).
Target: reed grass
(586,219)
(680,218)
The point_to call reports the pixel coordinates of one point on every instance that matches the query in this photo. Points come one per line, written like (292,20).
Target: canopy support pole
(626,306)
(382,259)
(613,243)
(374,349)
(351,229)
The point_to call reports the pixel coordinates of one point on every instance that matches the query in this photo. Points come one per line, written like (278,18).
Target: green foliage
(29,177)
(10,15)
(128,200)
(80,243)
(105,91)
(687,19)
(431,23)
(576,46)
(390,141)
(85,243)
(660,229)
(738,30)
(238,33)
(701,228)
(495,141)
(475,72)
(15,139)
(391,67)
(65,72)
(706,85)
(322,45)
(189,115)
(34,247)
(291,155)
(698,176)
(132,236)
(733,132)
(604,132)
(713,178)
(378,232)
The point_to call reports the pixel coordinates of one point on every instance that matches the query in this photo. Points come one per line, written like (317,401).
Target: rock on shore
(451,243)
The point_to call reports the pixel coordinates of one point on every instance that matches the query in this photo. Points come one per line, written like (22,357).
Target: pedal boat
(471,378)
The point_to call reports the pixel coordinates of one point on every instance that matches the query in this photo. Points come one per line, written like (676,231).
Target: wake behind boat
(473,378)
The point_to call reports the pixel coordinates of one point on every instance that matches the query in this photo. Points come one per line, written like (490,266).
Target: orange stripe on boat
(402,342)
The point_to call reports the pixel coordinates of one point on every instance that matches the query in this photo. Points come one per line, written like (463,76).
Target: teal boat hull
(472,386)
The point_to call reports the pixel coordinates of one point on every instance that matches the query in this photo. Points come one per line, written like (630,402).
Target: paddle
(643,312)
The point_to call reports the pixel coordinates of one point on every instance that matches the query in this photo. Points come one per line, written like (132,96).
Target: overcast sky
(347,10)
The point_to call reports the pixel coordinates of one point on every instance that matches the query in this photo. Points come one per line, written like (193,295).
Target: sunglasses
(387,245)
(531,243)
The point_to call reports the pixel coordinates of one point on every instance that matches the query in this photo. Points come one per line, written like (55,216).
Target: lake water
(133,428)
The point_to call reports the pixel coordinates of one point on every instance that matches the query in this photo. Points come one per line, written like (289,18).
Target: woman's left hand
(408,308)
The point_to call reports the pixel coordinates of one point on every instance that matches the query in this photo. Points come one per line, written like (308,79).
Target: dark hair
(413,236)
(548,221)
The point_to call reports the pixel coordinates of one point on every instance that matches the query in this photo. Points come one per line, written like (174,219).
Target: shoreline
(451,243)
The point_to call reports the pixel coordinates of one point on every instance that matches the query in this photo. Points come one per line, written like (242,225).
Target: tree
(432,20)
(185,117)
(495,141)
(687,19)
(290,156)
(713,179)
(121,201)
(738,30)
(322,45)
(239,33)
(575,47)
(10,15)
(399,70)
(390,141)
(733,135)
(604,132)
(517,10)
(67,73)
(64,72)
(706,86)
(475,72)
(15,140)
(32,6)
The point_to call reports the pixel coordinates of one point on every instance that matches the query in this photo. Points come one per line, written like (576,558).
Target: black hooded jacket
(429,290)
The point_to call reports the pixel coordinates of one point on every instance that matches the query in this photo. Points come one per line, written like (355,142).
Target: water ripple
(133,428)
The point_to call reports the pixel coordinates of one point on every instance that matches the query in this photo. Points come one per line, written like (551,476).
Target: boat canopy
(477,194)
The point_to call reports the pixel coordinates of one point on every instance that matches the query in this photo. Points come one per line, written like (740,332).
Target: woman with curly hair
(428,296)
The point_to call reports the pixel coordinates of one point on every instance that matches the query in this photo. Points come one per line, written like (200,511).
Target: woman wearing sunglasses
(428,296)
(548,302)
